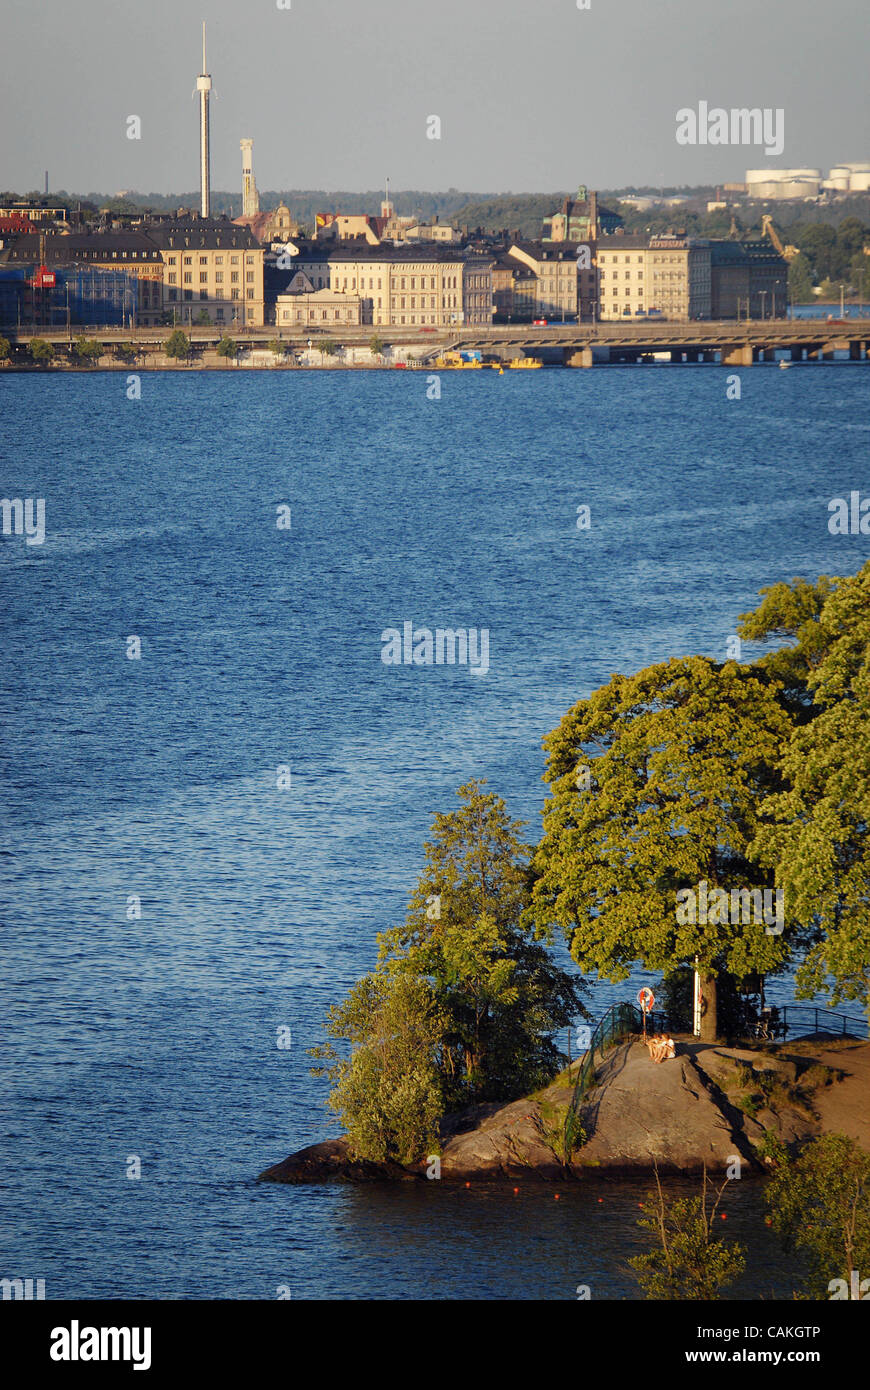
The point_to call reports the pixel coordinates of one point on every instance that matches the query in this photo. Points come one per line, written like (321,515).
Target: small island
(703,821)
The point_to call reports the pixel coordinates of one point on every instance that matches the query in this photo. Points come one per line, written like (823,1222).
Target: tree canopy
(655,782)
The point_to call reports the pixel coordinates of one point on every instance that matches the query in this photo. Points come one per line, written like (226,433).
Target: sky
(532,95)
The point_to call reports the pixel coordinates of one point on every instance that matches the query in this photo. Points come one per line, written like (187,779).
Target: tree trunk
(708,1008)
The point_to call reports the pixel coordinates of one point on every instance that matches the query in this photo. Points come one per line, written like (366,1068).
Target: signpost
(646,999)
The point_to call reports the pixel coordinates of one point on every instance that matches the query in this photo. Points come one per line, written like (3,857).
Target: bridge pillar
(797,354)
(856,351)
(581,357)
(708,355)
(828,351)
(767,355)
(739,355)
(691,355)
(676,355)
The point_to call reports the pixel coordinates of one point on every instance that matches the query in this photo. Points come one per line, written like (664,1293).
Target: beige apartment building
(559,288)
(304,306)
(212,270)
(415,286)
(666,276)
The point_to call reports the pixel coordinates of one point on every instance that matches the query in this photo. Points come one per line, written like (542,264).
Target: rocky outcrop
(706,1106)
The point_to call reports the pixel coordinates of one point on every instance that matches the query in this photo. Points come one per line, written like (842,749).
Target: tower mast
(203,86)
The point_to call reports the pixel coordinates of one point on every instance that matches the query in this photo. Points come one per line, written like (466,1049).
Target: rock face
(705,1106)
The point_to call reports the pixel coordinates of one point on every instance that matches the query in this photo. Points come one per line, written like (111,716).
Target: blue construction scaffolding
(81,296)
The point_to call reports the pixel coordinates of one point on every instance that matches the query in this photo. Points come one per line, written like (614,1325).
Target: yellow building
(428,285)
(666,276)
(212,271)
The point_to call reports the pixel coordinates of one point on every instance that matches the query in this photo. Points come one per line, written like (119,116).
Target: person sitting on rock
(668,1048)
(656,1046)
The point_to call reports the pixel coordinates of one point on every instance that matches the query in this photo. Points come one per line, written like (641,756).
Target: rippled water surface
(156,1037)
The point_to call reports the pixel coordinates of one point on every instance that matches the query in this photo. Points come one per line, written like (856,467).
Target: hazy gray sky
(533,95)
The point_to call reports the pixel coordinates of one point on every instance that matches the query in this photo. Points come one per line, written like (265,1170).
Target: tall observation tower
(250,196)
(203,86)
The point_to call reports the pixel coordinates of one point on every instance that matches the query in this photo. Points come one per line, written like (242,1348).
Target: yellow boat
(453,362)
(527,364)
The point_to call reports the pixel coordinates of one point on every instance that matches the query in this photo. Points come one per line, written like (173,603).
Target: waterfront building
(555,267)
(748,278)
(663,275)
(514,289)
(428,285)
(304,306)
(213,271)
(135,254)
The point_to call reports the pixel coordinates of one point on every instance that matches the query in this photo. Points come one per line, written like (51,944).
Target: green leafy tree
(388,1091)
(227,347)
(687,1263)
(800,280)
(464,1000)
(88,350)
(817,830)
(178,345)
(376,345)
(791,611)
(5,349)
(41,351)
(276,347)
(655,782)
(327,348)
(820,1203)
(502,993)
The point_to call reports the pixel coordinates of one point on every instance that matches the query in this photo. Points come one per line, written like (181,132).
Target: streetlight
(763,296)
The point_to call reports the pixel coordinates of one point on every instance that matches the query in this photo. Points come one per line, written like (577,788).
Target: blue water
(156,1038)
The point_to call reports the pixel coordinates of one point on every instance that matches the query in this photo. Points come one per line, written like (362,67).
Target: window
(203,294)
(187,260)
(203,260)
(218,260)
(188,294)
(234,260)
(172,277)
(188,276)
(219,275)
(219,313)
(234,276)
(172,260)
(249,275)
(173,295)
(234,294)
(203,277)
(249,260)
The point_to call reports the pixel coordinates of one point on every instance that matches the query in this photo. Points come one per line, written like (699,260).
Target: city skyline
(362,84)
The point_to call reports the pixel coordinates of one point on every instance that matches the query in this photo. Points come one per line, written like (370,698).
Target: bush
(227,347)
(5,349)
(689,1264)
(88,350)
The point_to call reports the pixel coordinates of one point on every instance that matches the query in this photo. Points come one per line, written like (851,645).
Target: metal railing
(793,1020)
(620,1021)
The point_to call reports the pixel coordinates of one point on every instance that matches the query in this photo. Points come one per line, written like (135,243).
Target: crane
(789,252)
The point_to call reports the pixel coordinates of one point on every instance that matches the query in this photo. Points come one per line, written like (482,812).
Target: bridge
(574,344)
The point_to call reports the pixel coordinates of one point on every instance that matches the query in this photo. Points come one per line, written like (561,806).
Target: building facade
(212,272)
(134,253)
(555,267)
(428,285)
(663,276)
